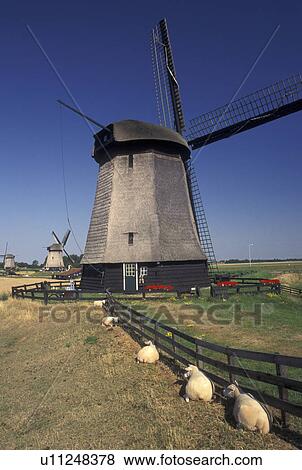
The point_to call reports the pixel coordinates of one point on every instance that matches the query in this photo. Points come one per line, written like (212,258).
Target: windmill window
(130,238)
(130,161)
(143,271)
(130,269)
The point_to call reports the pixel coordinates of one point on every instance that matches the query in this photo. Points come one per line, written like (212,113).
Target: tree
(76,259)
(35,263)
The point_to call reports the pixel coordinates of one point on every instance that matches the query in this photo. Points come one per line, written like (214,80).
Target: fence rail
(291,290)
(186,349)
(252,286)
(51,290)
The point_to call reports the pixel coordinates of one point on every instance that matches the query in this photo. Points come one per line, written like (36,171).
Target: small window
(130,161)
(130,238)
(143,271)
(130,269)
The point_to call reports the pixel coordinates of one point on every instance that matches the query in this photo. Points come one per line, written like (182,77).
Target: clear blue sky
(250,184)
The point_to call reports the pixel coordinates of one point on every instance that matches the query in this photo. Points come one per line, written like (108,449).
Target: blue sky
(250,184)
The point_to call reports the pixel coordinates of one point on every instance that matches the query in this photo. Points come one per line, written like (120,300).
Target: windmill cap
(55,247)
(137,136)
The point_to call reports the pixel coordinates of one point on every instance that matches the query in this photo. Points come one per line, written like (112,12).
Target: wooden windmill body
(142,229)
(9,262)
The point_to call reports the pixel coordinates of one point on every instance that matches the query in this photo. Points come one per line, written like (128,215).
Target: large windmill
(54,260)
(148,226)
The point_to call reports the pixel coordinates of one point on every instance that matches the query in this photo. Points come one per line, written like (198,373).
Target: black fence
(223,364)
(55,291)
(249,285)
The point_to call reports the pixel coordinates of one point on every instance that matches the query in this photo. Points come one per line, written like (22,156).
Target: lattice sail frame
(265,105)
(200,217)
(168,98)
(170,114)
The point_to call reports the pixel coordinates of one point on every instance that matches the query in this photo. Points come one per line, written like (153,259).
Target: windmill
(9,264)
(54,260)
(148,225)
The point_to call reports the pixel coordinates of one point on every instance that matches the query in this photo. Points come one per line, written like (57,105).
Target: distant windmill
(54,260)
(9,264)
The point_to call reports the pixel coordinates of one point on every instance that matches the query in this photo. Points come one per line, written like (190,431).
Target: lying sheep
(199,387)
(248,412)
(148,354)
(109,322)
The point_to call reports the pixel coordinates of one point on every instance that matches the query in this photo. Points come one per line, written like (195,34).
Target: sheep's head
(189,371)
(148,343)
(231,391)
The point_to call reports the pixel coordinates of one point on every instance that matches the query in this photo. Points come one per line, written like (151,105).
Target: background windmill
(9,264)
(54,260)
(265,105)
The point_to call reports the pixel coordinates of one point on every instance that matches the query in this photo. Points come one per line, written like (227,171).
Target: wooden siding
(182,276)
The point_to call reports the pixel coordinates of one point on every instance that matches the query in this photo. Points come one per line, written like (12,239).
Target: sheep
(249,414)
(99,303)
(148,354)
(198,387)
(109,322)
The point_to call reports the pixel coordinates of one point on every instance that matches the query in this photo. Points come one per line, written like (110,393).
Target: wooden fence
(51,290)
(186,349)
(291,290)
(251,285)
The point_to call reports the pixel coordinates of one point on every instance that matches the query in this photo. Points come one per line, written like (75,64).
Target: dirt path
(59,392)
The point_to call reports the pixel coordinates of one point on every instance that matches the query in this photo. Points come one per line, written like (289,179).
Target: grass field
(74,385)
(6,283)
(266,270)
(66,391)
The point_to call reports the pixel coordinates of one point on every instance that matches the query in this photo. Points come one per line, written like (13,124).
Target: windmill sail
(263,106)
(171,115)
(166,86)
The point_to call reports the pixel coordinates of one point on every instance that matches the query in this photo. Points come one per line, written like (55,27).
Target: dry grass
(6,283)
(292,279)
(59,392)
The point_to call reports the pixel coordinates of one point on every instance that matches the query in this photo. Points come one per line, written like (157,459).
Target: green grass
(266,269)
(280,329)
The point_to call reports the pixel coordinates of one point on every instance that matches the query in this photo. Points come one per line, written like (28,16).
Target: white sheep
(109,322)
(148,354)
(199,387)
(99,303)
(248,412)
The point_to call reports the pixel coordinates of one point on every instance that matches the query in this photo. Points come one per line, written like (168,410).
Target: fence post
(173,346)
(232,361)
(155,334)
(199,362)
(141,325)
(282,371)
